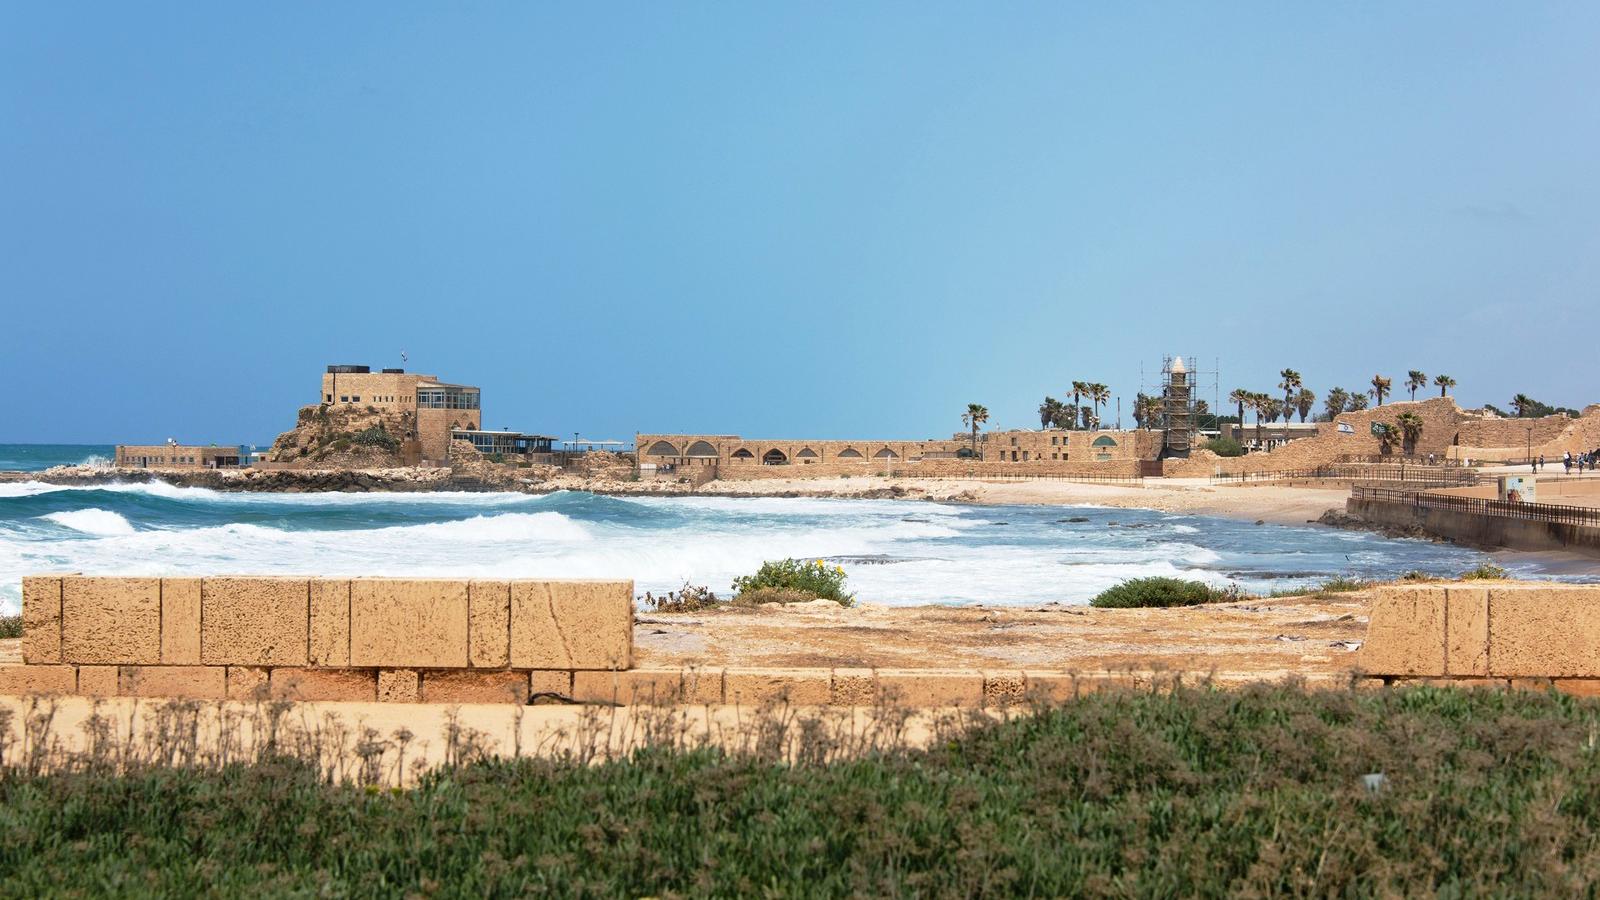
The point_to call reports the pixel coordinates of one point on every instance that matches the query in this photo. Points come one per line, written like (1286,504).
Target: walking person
(1566,462)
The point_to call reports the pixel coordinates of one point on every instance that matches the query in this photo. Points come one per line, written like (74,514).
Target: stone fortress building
(427,410)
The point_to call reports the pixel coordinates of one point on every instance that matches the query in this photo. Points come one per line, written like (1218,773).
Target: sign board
(1379,429)
(1518,488)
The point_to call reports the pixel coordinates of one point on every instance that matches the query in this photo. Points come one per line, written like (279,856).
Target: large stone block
(418,623)
(324,684)
(110,620)
(795,687)
(1466,630)
(930,688)
(31,680)
(255,621)
(1405,634)
(41,619)
(330,623)
(649,687)
(467,686)
(97,681)
(489,624)
(1544,630)
(180,621)
(181,682)
(571,624)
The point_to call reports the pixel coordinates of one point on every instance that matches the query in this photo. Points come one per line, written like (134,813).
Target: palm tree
(1098,394)
(1387,439)
(1410,428)
(1202,410)
(1444,383)
(1078,389)
(1153,410)
(1241,397)
(1522,405)
(1049,411)
(1380,388)
(1304,400)
(1266,408)
(1291,382)
(1415,379)
(1140,403)
(1357,402)
(976,415)
(1337,398)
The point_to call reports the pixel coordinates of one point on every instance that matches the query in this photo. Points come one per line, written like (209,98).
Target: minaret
(1178,410)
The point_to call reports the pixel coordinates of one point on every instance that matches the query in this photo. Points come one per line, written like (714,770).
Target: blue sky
(805,219)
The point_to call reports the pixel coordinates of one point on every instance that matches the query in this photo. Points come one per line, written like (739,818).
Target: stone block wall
(1488,630)
(316,638)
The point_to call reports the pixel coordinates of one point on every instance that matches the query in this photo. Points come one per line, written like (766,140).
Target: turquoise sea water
(898,552)
(37,457)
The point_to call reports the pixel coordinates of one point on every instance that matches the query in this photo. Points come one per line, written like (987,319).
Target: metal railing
(1533,512)
(1414,459)
(1422,476)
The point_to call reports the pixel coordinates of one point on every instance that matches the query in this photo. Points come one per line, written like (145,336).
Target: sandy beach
(1278,504)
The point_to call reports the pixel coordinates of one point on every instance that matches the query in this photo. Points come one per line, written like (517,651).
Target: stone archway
(774,457)
(701,450)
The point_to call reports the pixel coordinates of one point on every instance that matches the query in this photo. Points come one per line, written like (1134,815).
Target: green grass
(1195,793)
(1326,590)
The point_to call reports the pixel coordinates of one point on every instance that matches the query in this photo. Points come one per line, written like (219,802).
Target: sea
(895,552)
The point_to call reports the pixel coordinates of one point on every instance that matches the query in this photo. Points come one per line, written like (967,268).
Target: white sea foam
(895,552)
(91,521)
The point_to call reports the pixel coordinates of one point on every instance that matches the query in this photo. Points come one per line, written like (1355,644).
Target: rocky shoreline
(472,478)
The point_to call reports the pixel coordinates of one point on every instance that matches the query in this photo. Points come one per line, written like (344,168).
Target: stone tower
(1177,409)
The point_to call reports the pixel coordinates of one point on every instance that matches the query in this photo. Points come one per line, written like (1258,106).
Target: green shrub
(10,626)
(802,580)
(760,596)
(376,436)
(1224,446)
(1158,591)
(1486,572)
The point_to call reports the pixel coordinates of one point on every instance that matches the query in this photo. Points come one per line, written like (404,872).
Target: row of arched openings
(773,457)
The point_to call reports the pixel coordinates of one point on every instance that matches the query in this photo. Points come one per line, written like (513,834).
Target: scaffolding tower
(1177,400)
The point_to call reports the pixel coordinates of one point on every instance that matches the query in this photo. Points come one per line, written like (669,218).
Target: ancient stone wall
(1445,434)
(1486,630)
(319,638)
(1024,452)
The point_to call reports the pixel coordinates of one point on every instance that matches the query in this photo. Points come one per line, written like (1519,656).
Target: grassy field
(1189,793)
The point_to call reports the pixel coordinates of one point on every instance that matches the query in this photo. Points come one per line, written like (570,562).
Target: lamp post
(1531,464)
